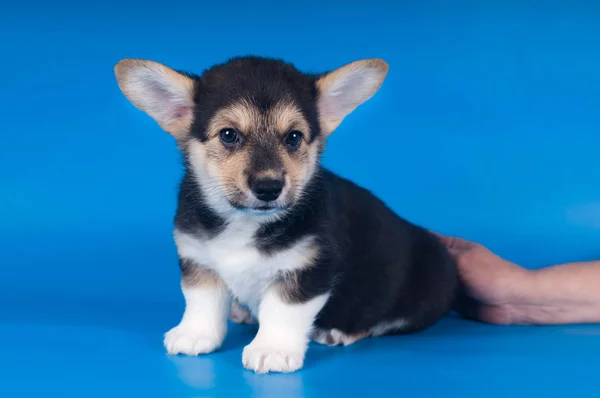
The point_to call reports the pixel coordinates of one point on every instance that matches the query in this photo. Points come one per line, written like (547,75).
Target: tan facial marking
(287,116)
(247,118)
(220,162)
(241,116)
(220,175)
(257,127)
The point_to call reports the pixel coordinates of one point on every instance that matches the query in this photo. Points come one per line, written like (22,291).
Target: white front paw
(185,339)
(263,358)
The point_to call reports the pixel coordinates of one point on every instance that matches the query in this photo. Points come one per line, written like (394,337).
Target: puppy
(310,255)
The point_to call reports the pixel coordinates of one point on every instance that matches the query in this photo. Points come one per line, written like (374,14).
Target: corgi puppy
(305,253)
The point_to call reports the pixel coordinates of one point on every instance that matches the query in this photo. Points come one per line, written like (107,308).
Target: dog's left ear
(164,94)
(344,89)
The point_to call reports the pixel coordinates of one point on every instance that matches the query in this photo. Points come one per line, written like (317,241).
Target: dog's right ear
(163,93)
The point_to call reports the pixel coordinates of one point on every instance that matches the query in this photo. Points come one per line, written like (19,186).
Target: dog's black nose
(266,188)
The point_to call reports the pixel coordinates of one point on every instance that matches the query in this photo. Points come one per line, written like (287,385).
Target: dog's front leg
(204,323)
(283,334)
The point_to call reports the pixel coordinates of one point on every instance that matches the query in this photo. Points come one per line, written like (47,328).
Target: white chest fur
(233,255)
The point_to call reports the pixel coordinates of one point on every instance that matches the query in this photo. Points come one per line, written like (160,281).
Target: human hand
(491,286)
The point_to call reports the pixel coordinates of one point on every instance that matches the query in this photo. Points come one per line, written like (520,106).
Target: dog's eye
(293,139)
(228,136)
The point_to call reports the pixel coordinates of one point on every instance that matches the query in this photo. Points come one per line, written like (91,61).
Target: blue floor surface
(487,127)
(114,349)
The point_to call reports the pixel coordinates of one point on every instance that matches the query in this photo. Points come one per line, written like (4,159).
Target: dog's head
(251,129)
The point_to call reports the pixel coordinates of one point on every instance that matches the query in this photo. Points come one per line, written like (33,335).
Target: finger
(446,240)
(454,243)
(462,244)
(455,252)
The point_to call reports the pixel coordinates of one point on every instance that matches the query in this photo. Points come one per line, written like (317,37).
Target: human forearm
(561,294)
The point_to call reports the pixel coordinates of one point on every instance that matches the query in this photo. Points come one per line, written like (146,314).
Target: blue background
(488,127)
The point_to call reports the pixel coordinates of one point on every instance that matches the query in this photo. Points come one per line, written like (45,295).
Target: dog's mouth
(261,210)
(264,208)
(244,203)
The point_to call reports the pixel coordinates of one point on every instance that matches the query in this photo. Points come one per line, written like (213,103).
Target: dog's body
(310,254)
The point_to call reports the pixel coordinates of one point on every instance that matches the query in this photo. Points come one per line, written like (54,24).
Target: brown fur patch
(194,275)
(248,119)
(242,116)
(300,164)
(288,285)
(286,116)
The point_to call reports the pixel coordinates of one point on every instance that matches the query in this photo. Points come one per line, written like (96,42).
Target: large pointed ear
(344,89)
(164,94)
